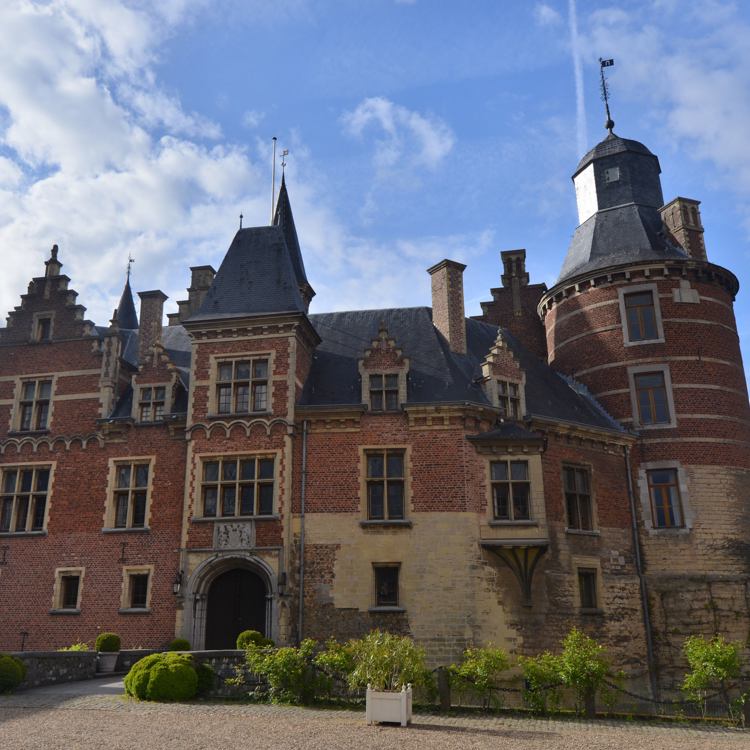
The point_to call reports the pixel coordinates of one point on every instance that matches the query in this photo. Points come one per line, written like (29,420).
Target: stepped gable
(256,277)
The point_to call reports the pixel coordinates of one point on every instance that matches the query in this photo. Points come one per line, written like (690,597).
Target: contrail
(575,50)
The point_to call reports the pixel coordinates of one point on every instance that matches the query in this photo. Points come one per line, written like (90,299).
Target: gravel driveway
(95,714)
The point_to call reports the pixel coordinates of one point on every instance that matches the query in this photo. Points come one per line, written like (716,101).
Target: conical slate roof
(126,315)
(283,218)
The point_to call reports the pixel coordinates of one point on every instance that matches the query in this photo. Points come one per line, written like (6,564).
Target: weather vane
(131,260)
(284,154)
(610,124)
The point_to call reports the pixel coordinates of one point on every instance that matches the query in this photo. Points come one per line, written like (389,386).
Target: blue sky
(417,130)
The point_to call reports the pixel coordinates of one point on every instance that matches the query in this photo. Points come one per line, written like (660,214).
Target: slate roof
(283,218)
(126,315)
(611,145)
(612,237)
(436,374)
(256,277)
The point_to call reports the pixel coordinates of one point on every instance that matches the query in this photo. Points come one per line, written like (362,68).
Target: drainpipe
(302,534)
(642,580)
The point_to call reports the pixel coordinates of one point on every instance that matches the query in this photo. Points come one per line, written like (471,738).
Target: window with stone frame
(238,486)
(151,403)
(137,590)
(386,585)
(68,589)
(242,386)
(509,399)
(641,315)
(578,503)
(384,391)
(131,490)
(33,406)
(651,398)
(385,484)
(24,494)
(666,503)
(511,490)
(587,588)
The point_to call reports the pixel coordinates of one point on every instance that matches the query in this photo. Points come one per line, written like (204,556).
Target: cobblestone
(96,714)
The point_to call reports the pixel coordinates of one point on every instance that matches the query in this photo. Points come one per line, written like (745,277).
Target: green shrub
(77,646)
(206,678)
(336,661)
(479,672)
(712,664)
(108,642)
(179,644)
(387,662)
(12,673)
(541,674)
(583,666)
(162,677)
(249,638)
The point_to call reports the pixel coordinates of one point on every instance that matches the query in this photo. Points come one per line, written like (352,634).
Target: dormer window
(151,404)
(384,392)
(509,399)
(242,386)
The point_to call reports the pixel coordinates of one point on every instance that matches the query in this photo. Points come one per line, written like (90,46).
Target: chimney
(514,275)
(152,312)
(683,219)
(201,278)
(448,303)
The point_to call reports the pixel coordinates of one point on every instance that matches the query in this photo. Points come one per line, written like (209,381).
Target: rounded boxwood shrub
(162,677)
(12,673)
(179,644)
(248,638)
(108,642)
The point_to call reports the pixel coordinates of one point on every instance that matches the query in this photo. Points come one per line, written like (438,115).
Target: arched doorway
(236,601)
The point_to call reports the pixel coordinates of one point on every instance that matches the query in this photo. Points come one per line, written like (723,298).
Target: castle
(575,456)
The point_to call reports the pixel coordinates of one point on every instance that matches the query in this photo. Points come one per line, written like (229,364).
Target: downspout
(642,579)
(302,534)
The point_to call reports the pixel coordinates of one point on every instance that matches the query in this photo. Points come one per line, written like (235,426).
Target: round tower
(646,323)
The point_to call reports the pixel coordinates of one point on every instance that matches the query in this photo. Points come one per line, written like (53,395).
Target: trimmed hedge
(164,677)
(249,638)
(179,644)
(12,673)
(108,642)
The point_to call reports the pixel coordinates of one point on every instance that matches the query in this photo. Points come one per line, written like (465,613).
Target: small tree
(542,681)
(583,667)
(479,672)
(387,662)
(713,663)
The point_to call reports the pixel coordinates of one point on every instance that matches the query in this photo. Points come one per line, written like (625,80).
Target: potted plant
(108,648)
(387,665)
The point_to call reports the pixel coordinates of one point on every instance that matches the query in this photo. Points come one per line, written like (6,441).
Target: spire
(284,219)
(125,313)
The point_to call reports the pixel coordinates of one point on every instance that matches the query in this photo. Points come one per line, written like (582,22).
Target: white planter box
(389,706)
(106,661)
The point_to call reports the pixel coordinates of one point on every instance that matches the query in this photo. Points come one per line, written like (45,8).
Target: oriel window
(238,487)
(641,316)
(242,386)
(651,395)
(34,404)
(385,485)
(511,490)
(384,392)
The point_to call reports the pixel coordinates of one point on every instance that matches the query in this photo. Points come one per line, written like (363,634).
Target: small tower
(682,217)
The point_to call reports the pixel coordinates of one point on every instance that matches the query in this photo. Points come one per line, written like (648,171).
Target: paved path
(95,714)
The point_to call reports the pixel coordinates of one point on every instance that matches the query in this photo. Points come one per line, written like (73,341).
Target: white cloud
(252,118)
(546,15)
(408,139)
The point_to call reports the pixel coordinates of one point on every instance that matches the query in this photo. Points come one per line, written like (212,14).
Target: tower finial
(241,218)
(610,124)
(273,179)
(131,260)
(284,154)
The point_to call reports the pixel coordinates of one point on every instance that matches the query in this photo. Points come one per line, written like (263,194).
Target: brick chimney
(683,219)
(448,303)
(152,312)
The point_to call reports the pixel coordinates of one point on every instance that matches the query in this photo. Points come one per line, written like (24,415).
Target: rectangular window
(131,495)
(138,587)
(578,498)
(242,386)
(43,330)
(23,498)
(384,392)
(664,491)
(151,404)
(386,585)
(238,487)
(34,405)
(69,586)
(509,399)
(641,316)
(511,490)
(651,396)
(587,588)
(385,485)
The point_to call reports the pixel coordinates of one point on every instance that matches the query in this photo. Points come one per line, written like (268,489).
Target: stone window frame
(213,377)
(594,530)
(365,520)
(35,326)
(688,515)
(641,369)
(594,564)
(201,458)
(401,372)
(15,419)
(510,482)
(168,398)
(493,393)
(50,465)
(635,289)
(126,592)
(110,510)
(57,590)
(399,605)
(536,488)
